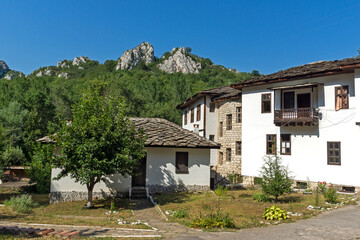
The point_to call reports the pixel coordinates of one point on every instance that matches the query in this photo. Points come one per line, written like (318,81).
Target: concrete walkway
(90,231)
(343,223)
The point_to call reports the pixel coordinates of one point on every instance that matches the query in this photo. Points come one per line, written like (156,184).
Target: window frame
(238,148)
(221,130)
(212,107)
(198,112)
(238,114)
(192,117)
(274,144)
(220,158)
(333,156)
(281,144)
(343,95)
(212,137)
(228,154)
(264,100)
(177,169)
(228,121)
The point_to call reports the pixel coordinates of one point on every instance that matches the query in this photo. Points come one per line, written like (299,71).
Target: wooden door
(139,176)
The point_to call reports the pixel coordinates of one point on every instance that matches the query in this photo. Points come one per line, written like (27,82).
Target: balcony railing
(296,116)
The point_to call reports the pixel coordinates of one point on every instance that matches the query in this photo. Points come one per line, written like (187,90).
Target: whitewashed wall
(160,170)
(308,157)
(161,167)
(210,125)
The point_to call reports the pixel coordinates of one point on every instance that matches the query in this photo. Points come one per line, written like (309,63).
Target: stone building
(207,113)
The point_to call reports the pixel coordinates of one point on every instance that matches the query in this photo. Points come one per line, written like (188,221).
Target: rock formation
(63,75)
(3,68)
(13,74)
(46,72)
(78,60)
(131,58)
(179,62)
(62,64)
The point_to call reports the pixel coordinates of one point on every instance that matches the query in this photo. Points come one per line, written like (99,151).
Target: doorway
(139,177)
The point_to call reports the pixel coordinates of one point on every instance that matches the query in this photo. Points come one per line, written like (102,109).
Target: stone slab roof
(214,92)
(315,69)
(163,133)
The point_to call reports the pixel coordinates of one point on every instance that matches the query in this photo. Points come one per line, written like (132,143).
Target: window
(192,115)
(221,157)
(341,97)
(289,100)
(228,122)
(238,148)
(198,112)
(266,103)
(270,144)
(212,107)
(221,129)
(334,153)
(212,138)
(182,162)
(185,117)
(238,114)
(285,144)
(228,154)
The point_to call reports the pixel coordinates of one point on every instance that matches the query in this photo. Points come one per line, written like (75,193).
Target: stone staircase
(138,193)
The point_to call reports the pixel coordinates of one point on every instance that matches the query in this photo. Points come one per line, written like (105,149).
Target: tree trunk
(90,188)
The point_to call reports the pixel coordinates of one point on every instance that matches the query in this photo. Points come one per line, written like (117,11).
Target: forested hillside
(32,106)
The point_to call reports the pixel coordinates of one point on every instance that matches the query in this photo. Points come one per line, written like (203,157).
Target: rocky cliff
(131,58)
(3,68)
(180,61)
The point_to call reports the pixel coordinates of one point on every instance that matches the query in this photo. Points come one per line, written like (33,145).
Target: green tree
(40,167)
(276,179)
(100,141)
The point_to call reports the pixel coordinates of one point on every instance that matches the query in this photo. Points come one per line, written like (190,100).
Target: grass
(70,213)
(240,205)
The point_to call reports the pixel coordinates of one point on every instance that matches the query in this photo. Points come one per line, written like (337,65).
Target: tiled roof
(309,70)
(163,133)
(216,93)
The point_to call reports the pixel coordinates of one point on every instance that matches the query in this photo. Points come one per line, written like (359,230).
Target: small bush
(330,194)
(216,220)
(275,213)
(260,197)
(181,213)
(322,187)
(221,191)
(21,204)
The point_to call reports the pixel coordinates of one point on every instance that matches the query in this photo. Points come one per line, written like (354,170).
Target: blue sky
(246,35)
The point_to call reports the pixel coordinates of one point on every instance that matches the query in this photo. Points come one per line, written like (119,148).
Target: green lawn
(71,213)
(240,205)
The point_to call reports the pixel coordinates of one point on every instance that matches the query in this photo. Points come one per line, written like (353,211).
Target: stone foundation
(177,188)
(248,181)
(56,197)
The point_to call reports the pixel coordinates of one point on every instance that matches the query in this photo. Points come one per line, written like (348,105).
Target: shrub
(260,197)
(221,191)
(213,220)
(181,213)
(21,204)
(330,194)
(275,177)
(274,213)
(322,187)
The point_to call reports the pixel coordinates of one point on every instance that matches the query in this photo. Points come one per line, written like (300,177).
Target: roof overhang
(190,147)
(305,85)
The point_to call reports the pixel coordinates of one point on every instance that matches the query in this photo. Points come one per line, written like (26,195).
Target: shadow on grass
(164,198)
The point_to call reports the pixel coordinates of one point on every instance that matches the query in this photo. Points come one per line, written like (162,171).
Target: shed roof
(310,70)
(214,92)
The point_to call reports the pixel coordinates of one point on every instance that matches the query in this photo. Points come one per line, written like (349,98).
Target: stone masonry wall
(228,140)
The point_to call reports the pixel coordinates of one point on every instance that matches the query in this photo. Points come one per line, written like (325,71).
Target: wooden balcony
(296,117)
